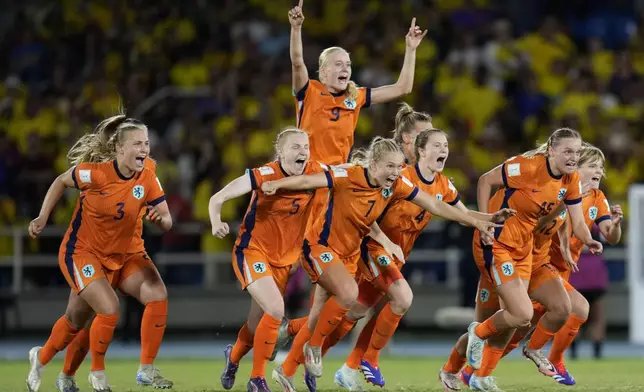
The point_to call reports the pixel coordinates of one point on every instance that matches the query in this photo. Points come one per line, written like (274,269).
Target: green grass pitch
(402,374)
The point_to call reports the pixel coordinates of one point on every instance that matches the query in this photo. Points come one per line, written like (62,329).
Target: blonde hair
(379,146)
(352,88)
(281,138)
(406,119)
(590,153)
(100,146)
(553,141)
(423,138)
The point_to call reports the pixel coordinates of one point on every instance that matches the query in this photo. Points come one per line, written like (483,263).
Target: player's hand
(502,215)
(415,35)
(395,251)
(487,231)
(36,226)
(570,262)
(269,188)
(220,229)
(296,16)
(616,214)
(595,247)
(153,215)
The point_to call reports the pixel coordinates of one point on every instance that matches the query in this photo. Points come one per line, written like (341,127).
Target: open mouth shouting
(140,161)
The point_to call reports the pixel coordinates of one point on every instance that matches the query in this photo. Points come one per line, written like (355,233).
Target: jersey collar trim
(118,172)
(423,179)
(559,177)
(282,169)
(366,176)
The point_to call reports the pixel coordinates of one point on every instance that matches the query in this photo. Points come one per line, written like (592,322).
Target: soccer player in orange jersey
(532,184)
(402,222)
(331,247)
(138,266)
(93,253)
(328,109)
(408,124)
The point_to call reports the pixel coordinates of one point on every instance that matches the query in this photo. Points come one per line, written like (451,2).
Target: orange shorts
(541,274)
(82,268)
(486,296)
(499,264)
(250,265)
(369,294)
(378,266)
(565,278)
(318,258)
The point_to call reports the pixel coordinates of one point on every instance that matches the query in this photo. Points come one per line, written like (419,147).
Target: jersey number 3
(120,211)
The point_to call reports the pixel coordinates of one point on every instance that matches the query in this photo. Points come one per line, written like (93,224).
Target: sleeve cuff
(74,178)
(157,201)
(253,182)
(367,101)
(572,202)
(504,176)
(329,180)
(602,218)
(302,93)
(456,200)
(413,194)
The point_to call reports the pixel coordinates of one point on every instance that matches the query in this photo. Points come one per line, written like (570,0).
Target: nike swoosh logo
(102,193)
(102,342)
(535,190)
(265,342)
(159,325)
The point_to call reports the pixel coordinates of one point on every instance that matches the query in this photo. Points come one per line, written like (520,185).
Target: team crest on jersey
(439,196)
(260,267)
(88,271)
(138,192)
(562,193)
(485,295)
(387,192)
(384,260)
(563,214)
(326,257)
(507,268)
(592,213)
(350,103)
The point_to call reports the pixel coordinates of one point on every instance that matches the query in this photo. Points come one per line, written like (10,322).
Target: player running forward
(408,124)
(402,222)
(332,241)
(531,184)
(328,109)
(93,254)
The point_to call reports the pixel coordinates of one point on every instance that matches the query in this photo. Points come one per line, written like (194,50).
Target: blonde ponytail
(406,119)
(553,141)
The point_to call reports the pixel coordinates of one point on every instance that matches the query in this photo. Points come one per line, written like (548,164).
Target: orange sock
(564,338)
(100,337)
(330,317)
(152,330)
(386,325)
(353,360)
(468,370)
(295,357)
(486,329)
(294,326)
(491,357)
(338,333)
(540,337)
(264,343)
(61,335)
(76,352)
(455,362)
(243,344)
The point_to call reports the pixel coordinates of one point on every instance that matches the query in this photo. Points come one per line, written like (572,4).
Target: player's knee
(580,306)
(402,302)
(523,316)
(348,295)
(561,309)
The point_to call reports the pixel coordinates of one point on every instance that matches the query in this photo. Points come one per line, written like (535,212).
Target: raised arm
(611,228)
(581,231)
(298,183)
(405,81)
(489,180)
(300,74)
(54,193)
(237,187)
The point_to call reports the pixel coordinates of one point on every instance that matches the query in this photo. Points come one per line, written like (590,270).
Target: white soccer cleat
(450,381)
(148,375)
(487,384)
(283,338)
(98,381)
(34,378)
(283,380)
(544,366)
(348,378)
(474,347)
(313,359)
(65,383)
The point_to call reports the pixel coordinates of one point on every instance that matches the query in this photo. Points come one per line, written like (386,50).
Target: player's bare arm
(300,74)
(611,229)
(498,217)
(54,193)
(545,220)
(237,187)
(380,237)
(160,215)
(488,181)
(405,81)
(581,231)
(296,183)
(564,245)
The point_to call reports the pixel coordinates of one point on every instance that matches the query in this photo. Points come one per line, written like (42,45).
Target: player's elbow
(404,88)
(166,223)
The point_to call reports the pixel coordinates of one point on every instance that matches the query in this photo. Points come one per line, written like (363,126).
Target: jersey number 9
(335,113)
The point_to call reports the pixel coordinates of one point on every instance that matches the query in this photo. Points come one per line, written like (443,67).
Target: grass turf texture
(401,374)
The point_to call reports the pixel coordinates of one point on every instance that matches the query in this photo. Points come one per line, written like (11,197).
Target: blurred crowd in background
(498,76)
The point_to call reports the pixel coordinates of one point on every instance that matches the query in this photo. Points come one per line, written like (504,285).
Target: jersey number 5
(119,211)
(335,114)
(296,207)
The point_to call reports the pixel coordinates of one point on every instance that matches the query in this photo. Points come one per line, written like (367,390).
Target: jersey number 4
(120,211)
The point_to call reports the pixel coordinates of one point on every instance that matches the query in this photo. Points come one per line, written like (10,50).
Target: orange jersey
(533,191)
(403,221)
(107,211)
(137,245)
(543,240)
(329,120)
(274,225)
(596,210)
(353,206)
